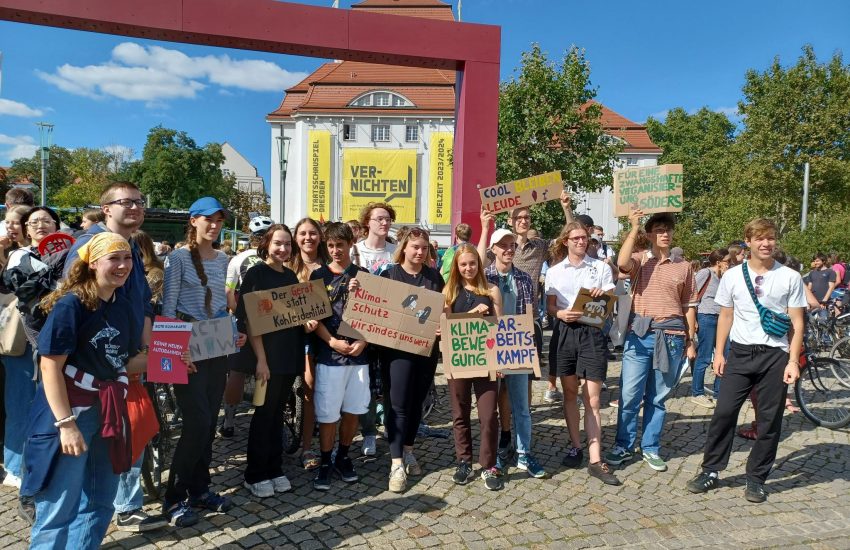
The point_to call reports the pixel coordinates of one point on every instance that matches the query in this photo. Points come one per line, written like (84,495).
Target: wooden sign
(393,314)
(594,310)
(522,193)
(475,346)
(286,307)
(213,338)
(649,188)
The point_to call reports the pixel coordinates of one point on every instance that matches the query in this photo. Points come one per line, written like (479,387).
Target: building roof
(428,9)
(635,135)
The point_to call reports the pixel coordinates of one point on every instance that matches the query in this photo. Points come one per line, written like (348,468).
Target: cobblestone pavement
(808,504)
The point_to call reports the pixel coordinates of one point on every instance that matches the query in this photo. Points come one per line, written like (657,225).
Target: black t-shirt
(284,348)
(820,280)
(429,279)
(467,300)
(98,342)
(337,287)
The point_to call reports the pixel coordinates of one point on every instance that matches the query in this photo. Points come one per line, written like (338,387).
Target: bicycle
(841,353)
(157,450)
(823,334)
(822,391)
(293,418)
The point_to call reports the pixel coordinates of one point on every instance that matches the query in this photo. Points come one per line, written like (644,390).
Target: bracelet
(792,362)
(66,420)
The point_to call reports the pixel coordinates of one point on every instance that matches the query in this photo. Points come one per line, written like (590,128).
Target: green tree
(174,171)
(548,122)
(243,203)
(90,171)
(58,174)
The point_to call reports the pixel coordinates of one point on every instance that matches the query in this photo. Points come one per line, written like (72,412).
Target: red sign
(169,339)
(55,242)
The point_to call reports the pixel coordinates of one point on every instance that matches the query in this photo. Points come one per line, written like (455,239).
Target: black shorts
(577,349)
(243,361)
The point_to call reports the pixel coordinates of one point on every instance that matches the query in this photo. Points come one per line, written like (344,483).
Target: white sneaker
(410,465)
(261,489)
(369,445)
(281,484)
(11,480)
(703,401)
(398,479)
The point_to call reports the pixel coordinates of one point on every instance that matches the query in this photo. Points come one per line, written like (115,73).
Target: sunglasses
(759,280)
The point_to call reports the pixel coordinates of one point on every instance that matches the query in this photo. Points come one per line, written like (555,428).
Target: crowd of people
(86,308)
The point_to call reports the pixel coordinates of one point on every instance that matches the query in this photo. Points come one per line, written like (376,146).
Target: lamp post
(283,143)
(44,131)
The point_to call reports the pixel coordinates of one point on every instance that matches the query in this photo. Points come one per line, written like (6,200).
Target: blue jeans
(705,353)
(129,497)
(639,382)
(517,386)
(75,508)
(20,389)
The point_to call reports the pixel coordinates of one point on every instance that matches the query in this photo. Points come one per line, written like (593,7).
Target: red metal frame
(281,27)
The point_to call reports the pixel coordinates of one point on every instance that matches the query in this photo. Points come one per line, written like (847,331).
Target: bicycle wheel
(152,468)
(841,353)
(430,401)
(293,418)
(822,396)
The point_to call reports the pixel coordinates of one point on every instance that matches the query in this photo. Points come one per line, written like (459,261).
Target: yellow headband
(102,244)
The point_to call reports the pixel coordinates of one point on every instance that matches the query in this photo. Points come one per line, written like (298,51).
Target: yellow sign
(319,176)
(440,178)
(370,175)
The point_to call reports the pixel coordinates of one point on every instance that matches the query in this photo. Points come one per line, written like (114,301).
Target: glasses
(577,239)
(382,219)
(40,221)
(128,203)
(512,246)
(523,218)
(759,280)
(659,231)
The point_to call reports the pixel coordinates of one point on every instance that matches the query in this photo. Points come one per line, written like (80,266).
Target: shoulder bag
(773,323)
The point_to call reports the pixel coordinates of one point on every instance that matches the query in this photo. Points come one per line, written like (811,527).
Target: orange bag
(143,422)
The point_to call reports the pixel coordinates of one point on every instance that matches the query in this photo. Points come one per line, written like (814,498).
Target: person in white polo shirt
(763,355)
(578,350)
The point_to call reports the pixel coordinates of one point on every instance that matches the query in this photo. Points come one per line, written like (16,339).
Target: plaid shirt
(526,295)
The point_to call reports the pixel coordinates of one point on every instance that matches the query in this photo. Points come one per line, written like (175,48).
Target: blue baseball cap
(207,206)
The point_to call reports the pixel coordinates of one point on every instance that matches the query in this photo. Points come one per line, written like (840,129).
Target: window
(411,133)
(631,161)
(349,132)
(399,101)
(380,132)
(382,99)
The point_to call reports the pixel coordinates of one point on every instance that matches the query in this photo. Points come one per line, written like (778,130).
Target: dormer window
(384,99)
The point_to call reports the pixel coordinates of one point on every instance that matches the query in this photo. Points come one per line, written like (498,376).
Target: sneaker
(410,465)
(26,509)
(213,502)
(226,432)
(261,489)
(528,463)
(463,473)
(617,456)
(703,401)
(281,484)
(11,480)
(310,460)
(703,483)
(369,445)
(655,462)
(345,468)
(398,478)
(755,492)
(181,515)
(600,471)
(322,481)
(573,458)
(553,396)
(491,479)
(137,521)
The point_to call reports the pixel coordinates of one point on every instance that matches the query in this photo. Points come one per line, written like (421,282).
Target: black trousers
(265,437)
(199,401)
(409,379)
(748,367)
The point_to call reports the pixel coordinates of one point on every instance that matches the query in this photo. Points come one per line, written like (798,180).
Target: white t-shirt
(782,289)
(564,280)
(238,266)
(372,258)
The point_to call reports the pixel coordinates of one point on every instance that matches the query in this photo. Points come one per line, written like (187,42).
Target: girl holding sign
(467,291)
(280,360)
(408,376)
(195,291)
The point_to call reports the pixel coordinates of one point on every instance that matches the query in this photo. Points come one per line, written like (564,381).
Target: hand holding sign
(593,306)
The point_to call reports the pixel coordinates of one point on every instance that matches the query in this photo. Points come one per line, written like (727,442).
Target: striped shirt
(184,291)
(665,289)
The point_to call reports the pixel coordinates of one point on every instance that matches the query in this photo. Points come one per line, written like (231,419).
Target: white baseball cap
(500,234)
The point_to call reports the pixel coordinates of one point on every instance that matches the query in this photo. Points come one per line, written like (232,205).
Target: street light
(44,131)
(283,143)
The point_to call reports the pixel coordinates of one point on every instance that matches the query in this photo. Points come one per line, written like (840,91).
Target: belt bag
(772,323)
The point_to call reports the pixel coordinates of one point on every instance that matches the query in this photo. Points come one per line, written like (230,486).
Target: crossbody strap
(752,290)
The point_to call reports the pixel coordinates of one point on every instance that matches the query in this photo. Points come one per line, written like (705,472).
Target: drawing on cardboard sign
(213,338)
(594,310)
(286,307)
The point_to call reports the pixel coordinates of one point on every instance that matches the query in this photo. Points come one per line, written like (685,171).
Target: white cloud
(13,147)
(660,115)
(731,112)
(15,108)
(155,74)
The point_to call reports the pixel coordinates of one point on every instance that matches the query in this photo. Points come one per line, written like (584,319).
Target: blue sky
(646,58)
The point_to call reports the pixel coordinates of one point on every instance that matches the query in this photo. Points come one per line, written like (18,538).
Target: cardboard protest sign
(524,192)
(286,307)
(649,188)
(594,310)
(213,338)
(475,346)
(169,339)
(392,314)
